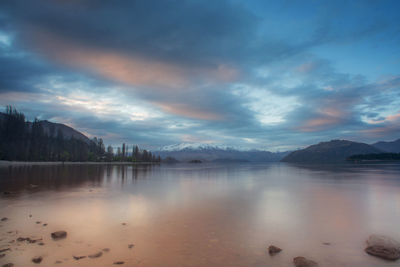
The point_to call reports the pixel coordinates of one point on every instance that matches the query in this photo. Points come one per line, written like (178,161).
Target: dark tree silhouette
(22,140)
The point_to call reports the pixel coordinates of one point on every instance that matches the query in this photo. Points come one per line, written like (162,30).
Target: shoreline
(43,163)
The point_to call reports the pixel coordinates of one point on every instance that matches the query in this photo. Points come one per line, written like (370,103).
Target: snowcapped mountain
(199,146)
(217,153)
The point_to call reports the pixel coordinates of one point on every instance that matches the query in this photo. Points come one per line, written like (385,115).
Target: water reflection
(36,178)
(200,215)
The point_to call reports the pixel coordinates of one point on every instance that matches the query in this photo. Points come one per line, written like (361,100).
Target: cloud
(126,68)
(256,73)
(184,110)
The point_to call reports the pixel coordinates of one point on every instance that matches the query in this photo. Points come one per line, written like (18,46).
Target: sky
(271,75)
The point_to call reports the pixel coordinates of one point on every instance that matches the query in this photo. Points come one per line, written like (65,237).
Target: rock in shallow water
(8,265)
(119,262)
(272,250)
(37,259)
(383,247)
(303,262)
(28,239)
(95,255)
(78,257)
(59,235)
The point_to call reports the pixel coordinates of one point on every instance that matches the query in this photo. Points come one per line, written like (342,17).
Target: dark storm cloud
(188,31)
(17,76)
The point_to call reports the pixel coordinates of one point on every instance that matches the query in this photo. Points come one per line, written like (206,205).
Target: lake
(198,214)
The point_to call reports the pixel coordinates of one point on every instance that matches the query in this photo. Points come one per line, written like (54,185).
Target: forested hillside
(21,140)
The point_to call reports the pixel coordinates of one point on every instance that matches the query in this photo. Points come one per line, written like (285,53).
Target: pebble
(59,235)
(79,257)
(272,250)
(96,255)
(37,259)
(304,262)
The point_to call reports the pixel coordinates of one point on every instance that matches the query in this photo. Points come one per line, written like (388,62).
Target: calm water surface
(198,214)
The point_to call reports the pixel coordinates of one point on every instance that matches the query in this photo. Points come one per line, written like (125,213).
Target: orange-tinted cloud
(390,124)
(129,69)
(185,110)
(387,119)
(394,117)
(328,117)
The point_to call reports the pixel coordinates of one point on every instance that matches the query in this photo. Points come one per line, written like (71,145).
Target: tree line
(376,156)
(28,141)
(135,154)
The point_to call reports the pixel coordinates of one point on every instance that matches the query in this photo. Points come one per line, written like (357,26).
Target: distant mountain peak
(391,146)
(216,153)
(199,146)
(333,151)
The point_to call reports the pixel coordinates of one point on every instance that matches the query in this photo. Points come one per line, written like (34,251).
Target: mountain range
(336,151)
(392,147)
(188,152)
(329,152)
(333,151)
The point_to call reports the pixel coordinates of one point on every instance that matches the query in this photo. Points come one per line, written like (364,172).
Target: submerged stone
(78,257)
(37,259)
(28,239)
(272,250)
(119,262)
(304,262)
(383,247)
(59,235)
(96,255)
